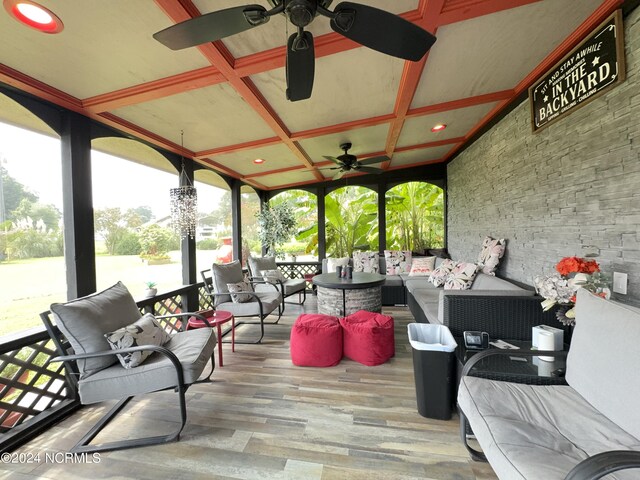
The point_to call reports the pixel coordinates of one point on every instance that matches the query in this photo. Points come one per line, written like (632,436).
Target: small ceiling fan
(368,26)
(350,163)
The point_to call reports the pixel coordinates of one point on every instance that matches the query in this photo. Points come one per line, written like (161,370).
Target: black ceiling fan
(369,26)
(350,163)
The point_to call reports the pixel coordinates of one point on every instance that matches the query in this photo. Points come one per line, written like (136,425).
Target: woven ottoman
(316,341)
(368,337)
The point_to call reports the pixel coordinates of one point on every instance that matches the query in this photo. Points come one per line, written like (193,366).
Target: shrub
(208,244)
(129,245)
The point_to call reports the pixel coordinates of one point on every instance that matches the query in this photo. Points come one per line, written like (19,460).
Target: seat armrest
(603,464)
(502,316)
(161,350)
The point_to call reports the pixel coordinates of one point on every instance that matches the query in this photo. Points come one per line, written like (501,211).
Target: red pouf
(316,341)
(368,337)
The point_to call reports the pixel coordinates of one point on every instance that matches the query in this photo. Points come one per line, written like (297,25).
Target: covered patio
(458,119)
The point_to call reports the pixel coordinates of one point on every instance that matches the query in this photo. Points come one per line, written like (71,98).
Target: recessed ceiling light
(33,15)
(258,161)
(439,127)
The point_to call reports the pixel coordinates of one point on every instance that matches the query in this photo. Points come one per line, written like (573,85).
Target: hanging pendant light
(184,204)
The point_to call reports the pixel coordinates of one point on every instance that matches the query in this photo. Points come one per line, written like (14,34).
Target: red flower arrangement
(569,265)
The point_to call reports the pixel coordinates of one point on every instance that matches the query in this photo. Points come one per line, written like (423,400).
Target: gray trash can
(433,368)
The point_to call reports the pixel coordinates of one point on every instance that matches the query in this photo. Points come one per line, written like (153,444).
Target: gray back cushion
(257,265)
(223,273)
(604,357)
(489,282)
(84,322)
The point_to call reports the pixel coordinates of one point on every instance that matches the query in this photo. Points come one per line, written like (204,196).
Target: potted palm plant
(151,290)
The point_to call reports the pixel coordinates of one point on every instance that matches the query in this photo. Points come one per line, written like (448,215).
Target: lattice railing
(35,394)
(300,269)
(29,385)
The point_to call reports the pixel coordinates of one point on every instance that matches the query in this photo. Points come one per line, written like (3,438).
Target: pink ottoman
(316,341)
(368,337)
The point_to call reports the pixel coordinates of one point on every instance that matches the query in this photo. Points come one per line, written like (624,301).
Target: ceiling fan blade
(338,175)
(369,170)
(372,160)
(212,26)
(381,31)
(334,160)
(300,66)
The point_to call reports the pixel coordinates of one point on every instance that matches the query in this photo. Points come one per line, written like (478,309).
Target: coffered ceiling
(229,96)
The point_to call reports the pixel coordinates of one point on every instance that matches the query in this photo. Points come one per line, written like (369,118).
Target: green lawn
(28,287)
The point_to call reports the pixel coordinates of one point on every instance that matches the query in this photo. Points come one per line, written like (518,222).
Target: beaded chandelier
(184,206)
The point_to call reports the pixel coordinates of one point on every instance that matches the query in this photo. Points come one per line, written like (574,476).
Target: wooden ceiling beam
(146,92)
(182,10)
(238,147)
(430,13)
(274,172)
(461,10)
(343,127)
(462,103)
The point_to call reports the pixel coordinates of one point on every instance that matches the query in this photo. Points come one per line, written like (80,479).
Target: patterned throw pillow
(461,277)
(332,263)
(272,276)
(397,261)
(366,262)
(144,331)
(422,266)
(440,274)
(490,255)
(236,289)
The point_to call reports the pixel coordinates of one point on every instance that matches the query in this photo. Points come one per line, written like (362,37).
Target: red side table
(216,319)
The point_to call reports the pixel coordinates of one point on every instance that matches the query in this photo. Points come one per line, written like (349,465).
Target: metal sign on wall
(589,70)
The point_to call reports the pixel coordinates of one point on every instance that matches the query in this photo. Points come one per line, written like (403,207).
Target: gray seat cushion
(294,285)
(84,322)
(538,432)
(258,264)
(270,301)
(428,300)
(414,283)
(193,348)
(223,273)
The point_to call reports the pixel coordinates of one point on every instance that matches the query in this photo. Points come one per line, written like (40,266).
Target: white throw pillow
(422,266)
(145,331)
(332,263)
(236,289)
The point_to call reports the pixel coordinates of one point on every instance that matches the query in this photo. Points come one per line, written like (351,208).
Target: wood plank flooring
(263,418)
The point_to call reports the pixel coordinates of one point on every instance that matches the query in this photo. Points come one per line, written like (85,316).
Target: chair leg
(475,455)
(84,446)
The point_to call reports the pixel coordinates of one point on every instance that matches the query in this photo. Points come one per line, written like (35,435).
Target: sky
(33,159)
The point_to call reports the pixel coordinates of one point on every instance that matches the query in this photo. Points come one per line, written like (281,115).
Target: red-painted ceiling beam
(274,172)
(265,142)
(145,92)
(462,103)
(182,10)
(343,127)
(461,10)
(437,143)
(430,12)
(28,84)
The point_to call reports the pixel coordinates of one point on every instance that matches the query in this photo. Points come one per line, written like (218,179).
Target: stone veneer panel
(330,300)
(550,194)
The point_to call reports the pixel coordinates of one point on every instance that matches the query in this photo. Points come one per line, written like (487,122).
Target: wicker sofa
(583,430)
(494,305)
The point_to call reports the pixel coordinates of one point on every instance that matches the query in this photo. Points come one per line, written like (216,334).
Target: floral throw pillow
(366,262)
(272,276)
(422,266)
(144,331)
(440,274)
(490,255)
(461,277)
(397,261)
(236,290)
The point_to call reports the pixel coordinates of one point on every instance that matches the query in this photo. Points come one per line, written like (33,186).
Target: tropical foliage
(415,216)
